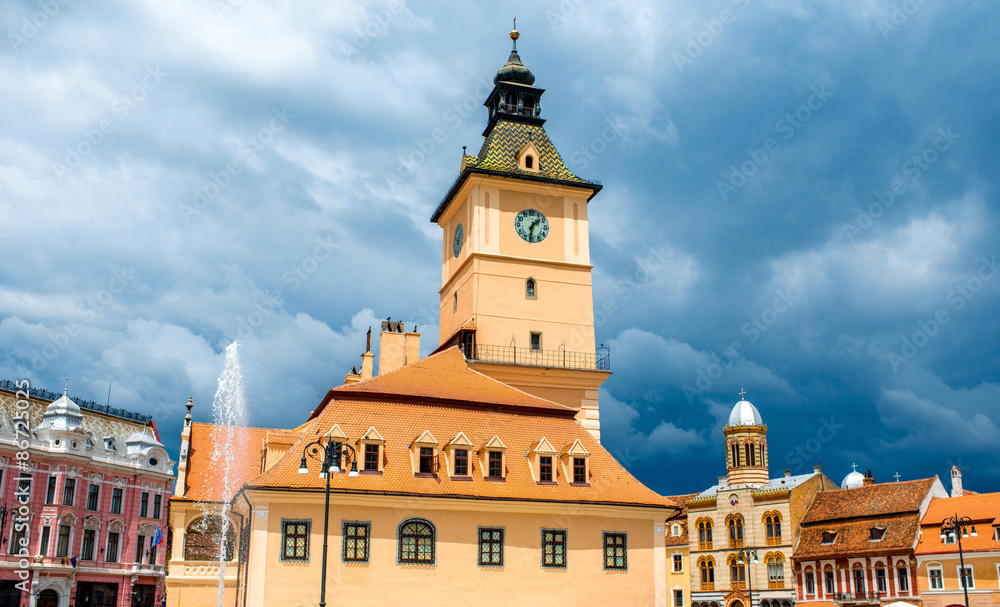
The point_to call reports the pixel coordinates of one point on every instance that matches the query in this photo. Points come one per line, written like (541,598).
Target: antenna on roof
(109,393)
(66,389)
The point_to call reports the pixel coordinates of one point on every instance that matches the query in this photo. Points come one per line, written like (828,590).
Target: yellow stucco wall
(456,578)
(987,586)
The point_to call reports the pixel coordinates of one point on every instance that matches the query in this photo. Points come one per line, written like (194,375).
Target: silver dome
(745,414)
(852,480)
(62,414)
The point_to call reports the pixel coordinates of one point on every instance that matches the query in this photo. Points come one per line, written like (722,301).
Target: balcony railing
(562,359)
(858,597)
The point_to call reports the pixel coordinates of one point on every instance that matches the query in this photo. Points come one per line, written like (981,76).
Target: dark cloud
(800,200)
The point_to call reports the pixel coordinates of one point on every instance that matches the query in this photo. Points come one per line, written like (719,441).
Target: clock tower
(515,276)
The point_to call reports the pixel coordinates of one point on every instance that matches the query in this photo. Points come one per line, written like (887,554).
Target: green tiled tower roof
(507,139)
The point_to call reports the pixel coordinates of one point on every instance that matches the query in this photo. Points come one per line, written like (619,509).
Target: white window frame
(674,561)
(673,597)
(930,578)
(961,578)
(805,583)
(906,576)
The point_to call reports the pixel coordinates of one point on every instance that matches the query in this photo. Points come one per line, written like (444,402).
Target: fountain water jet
(229,412)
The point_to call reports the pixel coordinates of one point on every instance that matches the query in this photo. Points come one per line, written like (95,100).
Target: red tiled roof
(680,516)
(853,537)
(444,376)
(880,499)
(400,423)
(203,476)
(983,509)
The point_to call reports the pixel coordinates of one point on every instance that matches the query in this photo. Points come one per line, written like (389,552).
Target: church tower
(515,275)
(746,446)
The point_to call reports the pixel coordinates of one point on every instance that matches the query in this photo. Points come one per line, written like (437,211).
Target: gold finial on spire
(514,35)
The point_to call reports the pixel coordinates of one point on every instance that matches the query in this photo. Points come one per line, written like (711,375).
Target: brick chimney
(956,481)
(869,479)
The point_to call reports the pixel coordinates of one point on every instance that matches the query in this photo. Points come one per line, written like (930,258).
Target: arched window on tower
(529,105)
(510,103)
(751,454)
(735,452)
(530,288)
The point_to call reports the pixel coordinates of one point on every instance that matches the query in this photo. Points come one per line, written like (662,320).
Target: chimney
(412,347)
(817,470)
(956,481)
(353,377)
(869,479)
(368,359)
(392,346)
(787,472)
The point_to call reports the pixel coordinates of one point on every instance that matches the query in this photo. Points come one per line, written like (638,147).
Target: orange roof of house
(444,376)
(854,537)
(678,517)
(400,423)
(983,509)
(204,479)
(879,499)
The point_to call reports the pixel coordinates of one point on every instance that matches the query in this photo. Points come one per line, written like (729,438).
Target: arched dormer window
(531,288)
(735,524)
(203,539)
(529,161)
(416,539)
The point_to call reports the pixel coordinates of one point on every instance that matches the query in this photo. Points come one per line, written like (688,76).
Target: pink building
(83,497)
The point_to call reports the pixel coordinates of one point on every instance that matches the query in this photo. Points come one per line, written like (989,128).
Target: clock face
(531,225)
(459,236)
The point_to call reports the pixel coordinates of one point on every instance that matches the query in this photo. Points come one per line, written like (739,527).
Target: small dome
(514,71)
(141,442)
(745,414)
(852,480)
(62,414)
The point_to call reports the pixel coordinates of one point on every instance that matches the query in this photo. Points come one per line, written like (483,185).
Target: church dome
(852,480)
(62,414)
(514,71)
(745,414)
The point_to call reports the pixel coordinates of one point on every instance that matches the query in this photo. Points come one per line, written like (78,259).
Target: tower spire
(514,35)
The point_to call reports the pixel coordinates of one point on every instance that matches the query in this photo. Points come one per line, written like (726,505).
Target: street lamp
(745,556)
(958,526)
(330,464)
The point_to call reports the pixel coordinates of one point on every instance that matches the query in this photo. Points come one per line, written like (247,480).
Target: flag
(157,538)
(65,560)
(75,559)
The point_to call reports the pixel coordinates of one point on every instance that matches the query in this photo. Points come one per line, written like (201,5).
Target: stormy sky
(800,200)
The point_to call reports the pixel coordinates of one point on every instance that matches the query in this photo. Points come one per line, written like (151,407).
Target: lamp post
(744,557)
(959,526)
(329,455)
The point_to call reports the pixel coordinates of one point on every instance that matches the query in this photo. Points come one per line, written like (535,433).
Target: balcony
(559,359)
(859,597)
(202,569)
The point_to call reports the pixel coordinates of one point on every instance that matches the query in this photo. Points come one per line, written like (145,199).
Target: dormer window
(492,458)
(496,464)
(875,534)
(545,468)
(575,458)
(424,455)
(542,459)
(829,537)
(109,444)
(528,158)
(370,447)
(458,456)
(529,162)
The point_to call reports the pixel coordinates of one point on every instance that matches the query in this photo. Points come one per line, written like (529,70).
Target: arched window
(772,524)
(203,539)
(416,542)
(510,103)
(735,523)
(775,570)
(704,533)
(706,566)
(735,452)
(529,161)
(881,582)
(454,303)
(751,454)
(737,572)
(529,106)
(530,288)
(858,576)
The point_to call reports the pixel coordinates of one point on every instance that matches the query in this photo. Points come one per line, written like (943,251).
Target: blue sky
(800,200)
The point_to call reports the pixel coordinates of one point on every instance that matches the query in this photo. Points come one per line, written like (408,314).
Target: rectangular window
(116,501)
(828,582)
(491,546)
(903,579)
(356,538)
(111,552)
(62,541)
(615,551)
(678,598)
(295,541)
(50,493)
(545,469)
(426,460)
(810,583)
(936,578)
(859,581)
(536,341)
(144,504)
(69,492)
(17,537)
(140,547)
(152,554)
(678,563)
(157,504)
(43,545)
(461,462)
(23,493)
(966,580)
(579,470)
(496,464)
(93,497)
(880,581)
(87,549)
(553,548)
(371,457)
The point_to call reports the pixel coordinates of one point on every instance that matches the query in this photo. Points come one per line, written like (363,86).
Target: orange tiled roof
(853,537)
(983,509)
(444,376)
(880,499)
(678,517)
(203,480)
(400,423)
